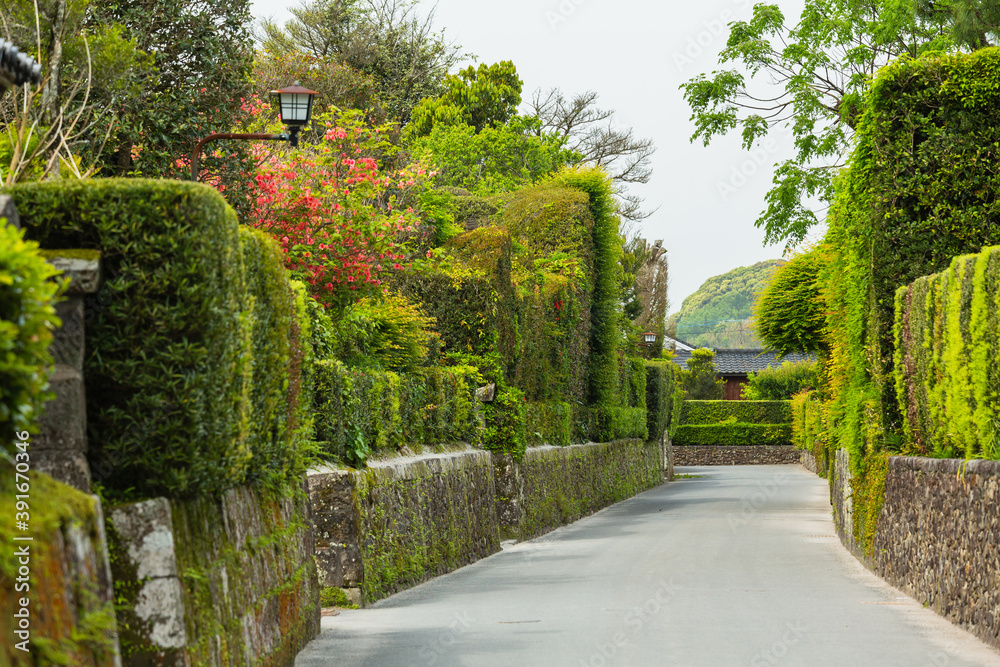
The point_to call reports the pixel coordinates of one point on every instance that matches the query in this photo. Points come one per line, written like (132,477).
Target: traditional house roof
(677,345)
(743,362)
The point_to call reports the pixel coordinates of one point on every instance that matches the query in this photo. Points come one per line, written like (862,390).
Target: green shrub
(781,383)
(389,333)
(505,423)
(809,428)
(549,423)
(27,318)
(699,380)
(358,413)
(751,412)
(732,434)
(947,346)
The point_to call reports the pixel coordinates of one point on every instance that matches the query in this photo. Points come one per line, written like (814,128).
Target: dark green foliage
(781,383)
(753,412)
(790,313)
(732,434)
(27,316)
(358,413)
(171,336)
(718,314)
(947,346)
(699,380)
(661,386)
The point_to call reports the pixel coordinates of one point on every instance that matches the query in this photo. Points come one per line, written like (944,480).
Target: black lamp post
(16,68)
(294,107)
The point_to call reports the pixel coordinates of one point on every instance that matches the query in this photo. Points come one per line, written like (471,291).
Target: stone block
(68,340)
(9,211)
(66,466)
(63,425)
(84,274)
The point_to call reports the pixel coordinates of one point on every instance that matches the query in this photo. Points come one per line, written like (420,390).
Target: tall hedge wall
(177,335)
(921,187)
(947,346)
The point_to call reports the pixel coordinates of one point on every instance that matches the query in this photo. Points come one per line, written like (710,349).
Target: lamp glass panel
(294,108)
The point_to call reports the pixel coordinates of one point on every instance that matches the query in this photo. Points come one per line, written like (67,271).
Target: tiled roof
(742,362)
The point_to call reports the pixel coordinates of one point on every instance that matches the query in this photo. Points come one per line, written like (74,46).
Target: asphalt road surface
(738,566)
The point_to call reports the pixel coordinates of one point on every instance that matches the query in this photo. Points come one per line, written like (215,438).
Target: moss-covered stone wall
(559,485)
(228,581)
(402,521)
(61,572)
(936,536)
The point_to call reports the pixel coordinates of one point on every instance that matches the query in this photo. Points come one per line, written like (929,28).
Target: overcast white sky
(635,54)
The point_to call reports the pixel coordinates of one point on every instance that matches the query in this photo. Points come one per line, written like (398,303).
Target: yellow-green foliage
(27,317)
(387,333)
(947,346)
(809,428)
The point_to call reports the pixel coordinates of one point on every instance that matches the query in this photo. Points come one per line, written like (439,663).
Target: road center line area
(729,566)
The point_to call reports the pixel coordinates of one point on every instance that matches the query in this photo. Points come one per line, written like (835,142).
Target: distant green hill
(718,314)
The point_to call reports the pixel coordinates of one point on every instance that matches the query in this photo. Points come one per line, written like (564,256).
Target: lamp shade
(649,337)
(295,104)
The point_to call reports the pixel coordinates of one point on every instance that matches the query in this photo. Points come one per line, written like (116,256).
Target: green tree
(699,380)
(821,67)
(482,97)
(203,57)
(781,383)
(791,313)
(62,125)
(384,39)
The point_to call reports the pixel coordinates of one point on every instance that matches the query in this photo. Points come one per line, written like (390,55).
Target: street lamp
(649,338)
(294,108)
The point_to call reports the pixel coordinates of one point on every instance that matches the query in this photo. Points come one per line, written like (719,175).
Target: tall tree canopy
(810,77)
(385,39)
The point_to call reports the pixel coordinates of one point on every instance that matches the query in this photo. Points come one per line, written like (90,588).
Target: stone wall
(215,582)
(402,521)
(56,598)
(554,486)
(61,444)
(938,538)
(840,498)
(734,455)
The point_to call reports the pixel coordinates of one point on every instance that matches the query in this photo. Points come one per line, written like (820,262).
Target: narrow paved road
(739,566)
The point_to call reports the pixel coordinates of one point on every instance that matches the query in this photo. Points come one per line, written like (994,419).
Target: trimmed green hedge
(26,320)
(947,345)
(664,398)
(177,336)
(358,413)
(751,412)
(732,434)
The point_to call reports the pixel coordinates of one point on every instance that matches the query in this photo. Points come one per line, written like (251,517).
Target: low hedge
(177,335)
(732,434)
(358,413)
(751,412)
(26,320)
